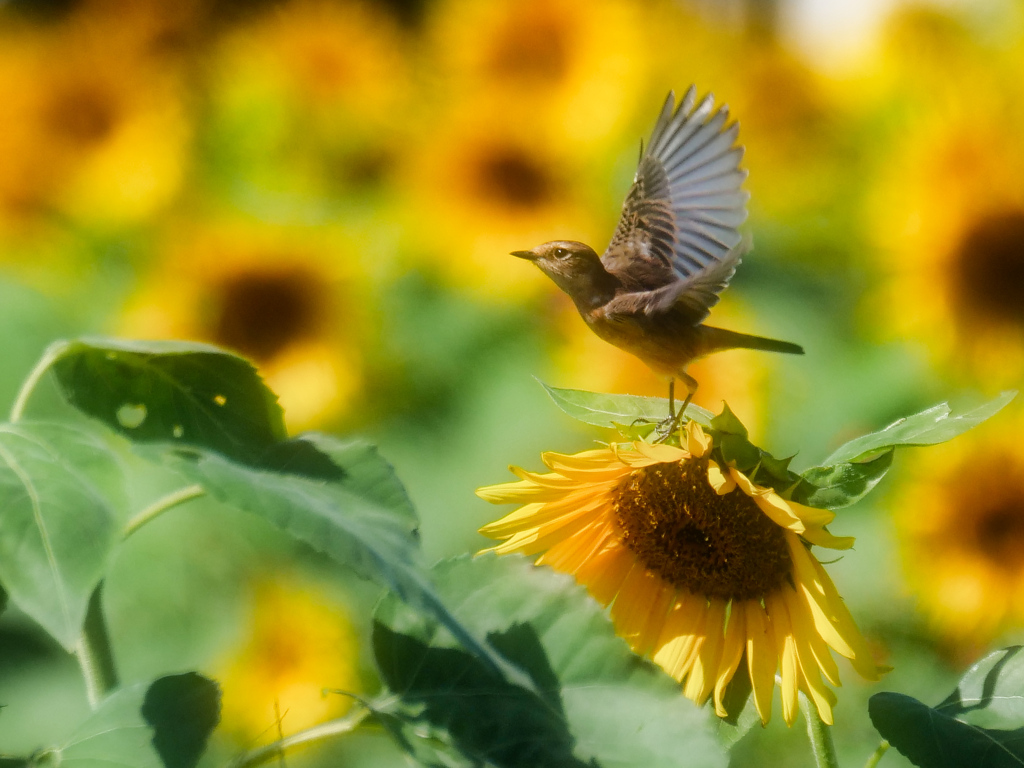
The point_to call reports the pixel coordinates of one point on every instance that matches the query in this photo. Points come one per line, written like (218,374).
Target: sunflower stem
(320,732)
(877,754)
(820,735)
(161,505)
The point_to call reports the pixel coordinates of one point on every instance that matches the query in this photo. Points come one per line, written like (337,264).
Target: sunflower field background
(331,189)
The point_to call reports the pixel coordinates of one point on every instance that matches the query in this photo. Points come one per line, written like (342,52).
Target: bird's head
(575,268)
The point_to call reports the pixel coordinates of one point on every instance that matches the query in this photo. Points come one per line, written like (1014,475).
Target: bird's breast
(664,345)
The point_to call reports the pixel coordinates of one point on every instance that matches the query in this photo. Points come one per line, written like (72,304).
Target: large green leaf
(929,427)
(163,725)
(362,519)
(57,525)
(594,701)
(981,724)
(171,391)
(605,410)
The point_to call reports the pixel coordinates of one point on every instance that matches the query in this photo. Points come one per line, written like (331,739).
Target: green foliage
(594,699)
(606,410)
(171,391)
(980,724)
(58,528)
(161,725)
(844,478)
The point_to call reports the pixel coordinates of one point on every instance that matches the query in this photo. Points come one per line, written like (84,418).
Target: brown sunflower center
(1000,535)
(719,546)
(261,314)
(989,275)
(513,178)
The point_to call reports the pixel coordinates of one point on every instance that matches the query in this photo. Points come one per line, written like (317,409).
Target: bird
(675,249)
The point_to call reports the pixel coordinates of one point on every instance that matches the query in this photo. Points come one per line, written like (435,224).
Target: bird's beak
(528,255)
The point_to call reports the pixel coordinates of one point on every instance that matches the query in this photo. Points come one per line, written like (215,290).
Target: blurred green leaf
(163,725)
(981,724)
(929,427)
(57,528)
(605,410)
(595,702)
(171,391)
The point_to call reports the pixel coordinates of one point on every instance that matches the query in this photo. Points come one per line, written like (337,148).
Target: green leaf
(929,427)
(843,484)
(595,702)
(171,391)
(57,528)
(163,725)
(364,520)
(728,423)
(605,410)
(981,724)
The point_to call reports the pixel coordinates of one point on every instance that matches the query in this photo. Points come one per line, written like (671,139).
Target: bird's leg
(671,424)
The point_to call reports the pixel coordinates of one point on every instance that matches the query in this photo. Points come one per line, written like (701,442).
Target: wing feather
(678,237)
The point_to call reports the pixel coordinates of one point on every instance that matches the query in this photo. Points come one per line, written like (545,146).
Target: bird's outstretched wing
(678,238)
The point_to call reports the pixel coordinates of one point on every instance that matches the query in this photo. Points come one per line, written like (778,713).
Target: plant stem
(316,733)
(161,505)
(94,653)
(49,357)
(820,735)
(877,754)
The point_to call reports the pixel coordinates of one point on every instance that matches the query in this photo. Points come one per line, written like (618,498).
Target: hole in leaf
(131,415)
(220,399)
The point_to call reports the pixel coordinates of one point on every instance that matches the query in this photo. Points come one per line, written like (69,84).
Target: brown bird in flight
(675,249)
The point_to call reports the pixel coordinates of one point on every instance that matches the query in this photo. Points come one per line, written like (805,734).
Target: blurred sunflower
(300,642)
(579,62)
(294,309)
(948,221)
(312,89)
(484,185)
(960,518)
(701,566)
(90,128)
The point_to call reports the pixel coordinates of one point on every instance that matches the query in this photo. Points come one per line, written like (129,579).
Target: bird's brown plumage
(675,249)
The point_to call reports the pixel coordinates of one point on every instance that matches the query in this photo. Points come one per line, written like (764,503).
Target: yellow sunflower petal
(569,556)
(789,671)
(698,443)
(674,649)
(719,480)
(822,696)
(517,493)
(732,654)
(604,573)
(640,598)
(832,619)
(704,670)
(540,513)
(653,453)
(762,657)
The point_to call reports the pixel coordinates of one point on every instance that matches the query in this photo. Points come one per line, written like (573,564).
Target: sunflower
(300,642)
(482,185)
(702,567)
(963,550)
(293,307)
(93,128)
(947,214)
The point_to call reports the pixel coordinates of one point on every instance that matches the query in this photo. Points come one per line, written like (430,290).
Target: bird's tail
(717,339)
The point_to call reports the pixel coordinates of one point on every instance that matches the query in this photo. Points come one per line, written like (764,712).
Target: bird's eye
(561,253)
